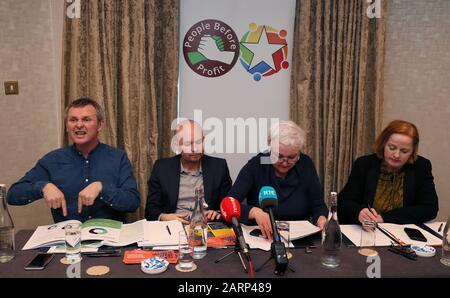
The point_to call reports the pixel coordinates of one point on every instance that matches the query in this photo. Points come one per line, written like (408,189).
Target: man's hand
(212,215)
(173,216)
(263,220)
(54,197)
(87,196)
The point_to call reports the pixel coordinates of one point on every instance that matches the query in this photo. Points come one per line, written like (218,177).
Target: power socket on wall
(11,87)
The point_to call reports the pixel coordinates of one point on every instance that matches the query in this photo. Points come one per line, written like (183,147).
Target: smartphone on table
(415,234)
(39,261)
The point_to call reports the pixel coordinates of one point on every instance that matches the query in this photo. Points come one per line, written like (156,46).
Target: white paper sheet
(297,230)
(156,233)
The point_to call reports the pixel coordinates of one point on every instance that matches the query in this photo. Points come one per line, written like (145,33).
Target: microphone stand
(236,250)
(277,250)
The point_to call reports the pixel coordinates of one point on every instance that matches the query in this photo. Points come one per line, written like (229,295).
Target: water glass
(368,240)
(185,249)
(285,234)
(445,259)
(73,242)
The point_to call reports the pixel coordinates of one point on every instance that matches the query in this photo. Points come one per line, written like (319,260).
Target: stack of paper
(161,234)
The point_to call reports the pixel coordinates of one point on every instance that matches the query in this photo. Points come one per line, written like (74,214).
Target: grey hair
(288,133)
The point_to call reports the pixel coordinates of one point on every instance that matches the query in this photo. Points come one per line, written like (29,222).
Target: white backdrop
(236,94)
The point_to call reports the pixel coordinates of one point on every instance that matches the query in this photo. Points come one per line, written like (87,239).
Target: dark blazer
(420,201)
(164,184)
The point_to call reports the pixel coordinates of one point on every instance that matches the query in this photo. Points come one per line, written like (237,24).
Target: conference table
(306,265)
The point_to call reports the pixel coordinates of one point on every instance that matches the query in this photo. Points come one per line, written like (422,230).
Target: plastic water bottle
(331,236)
(199,225)
(445,258)
(6,229)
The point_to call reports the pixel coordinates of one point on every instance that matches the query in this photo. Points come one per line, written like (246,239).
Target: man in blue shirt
(86,180)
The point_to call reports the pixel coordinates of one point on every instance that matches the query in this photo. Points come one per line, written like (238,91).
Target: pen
(430,230)
(390,235)
(168,230)
(440,227)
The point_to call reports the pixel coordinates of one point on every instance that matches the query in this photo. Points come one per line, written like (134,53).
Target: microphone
(231,212)
(268,201)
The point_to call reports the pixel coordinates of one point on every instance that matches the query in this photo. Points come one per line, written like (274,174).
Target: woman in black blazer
(393,185)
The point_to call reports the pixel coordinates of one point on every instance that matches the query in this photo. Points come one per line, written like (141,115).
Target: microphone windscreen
(229,208)
(268,197)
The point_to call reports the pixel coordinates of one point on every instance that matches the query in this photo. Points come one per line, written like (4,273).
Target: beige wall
(30,51)
(417,81)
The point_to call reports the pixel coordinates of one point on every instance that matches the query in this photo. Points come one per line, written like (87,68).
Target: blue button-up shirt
(71,172)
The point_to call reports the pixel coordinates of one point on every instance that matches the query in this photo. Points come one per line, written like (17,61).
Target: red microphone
(229,208)
(231,212)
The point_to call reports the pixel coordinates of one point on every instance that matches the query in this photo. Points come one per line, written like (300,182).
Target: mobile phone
(105,252)
(39,261)
(256,233)
(415,234)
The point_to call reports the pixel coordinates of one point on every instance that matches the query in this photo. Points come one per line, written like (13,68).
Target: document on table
(161,233)
(297,230)
(353,233)
(131,233)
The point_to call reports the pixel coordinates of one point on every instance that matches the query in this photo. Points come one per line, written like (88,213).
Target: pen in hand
(440,227)
(168,230)
(370,210)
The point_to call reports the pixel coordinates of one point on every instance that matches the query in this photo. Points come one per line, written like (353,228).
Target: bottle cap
(424,251)
(154,265)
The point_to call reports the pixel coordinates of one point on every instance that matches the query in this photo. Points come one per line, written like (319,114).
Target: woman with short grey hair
(292,175)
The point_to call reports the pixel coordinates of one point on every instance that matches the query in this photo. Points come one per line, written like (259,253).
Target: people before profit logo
(211,48)
(264,51)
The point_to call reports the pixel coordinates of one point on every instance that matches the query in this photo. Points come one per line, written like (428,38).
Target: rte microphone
(231,212)
(268,201)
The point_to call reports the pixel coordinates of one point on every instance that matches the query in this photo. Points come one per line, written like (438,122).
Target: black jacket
(420,201)
(164,184)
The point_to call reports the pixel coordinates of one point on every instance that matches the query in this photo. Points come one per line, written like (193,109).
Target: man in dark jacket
(173,181)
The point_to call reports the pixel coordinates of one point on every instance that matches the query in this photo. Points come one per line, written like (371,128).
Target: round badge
(424,251)
(154,265)
(211,48)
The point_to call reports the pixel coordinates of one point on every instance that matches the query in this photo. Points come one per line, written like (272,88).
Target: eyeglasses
(289,159)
